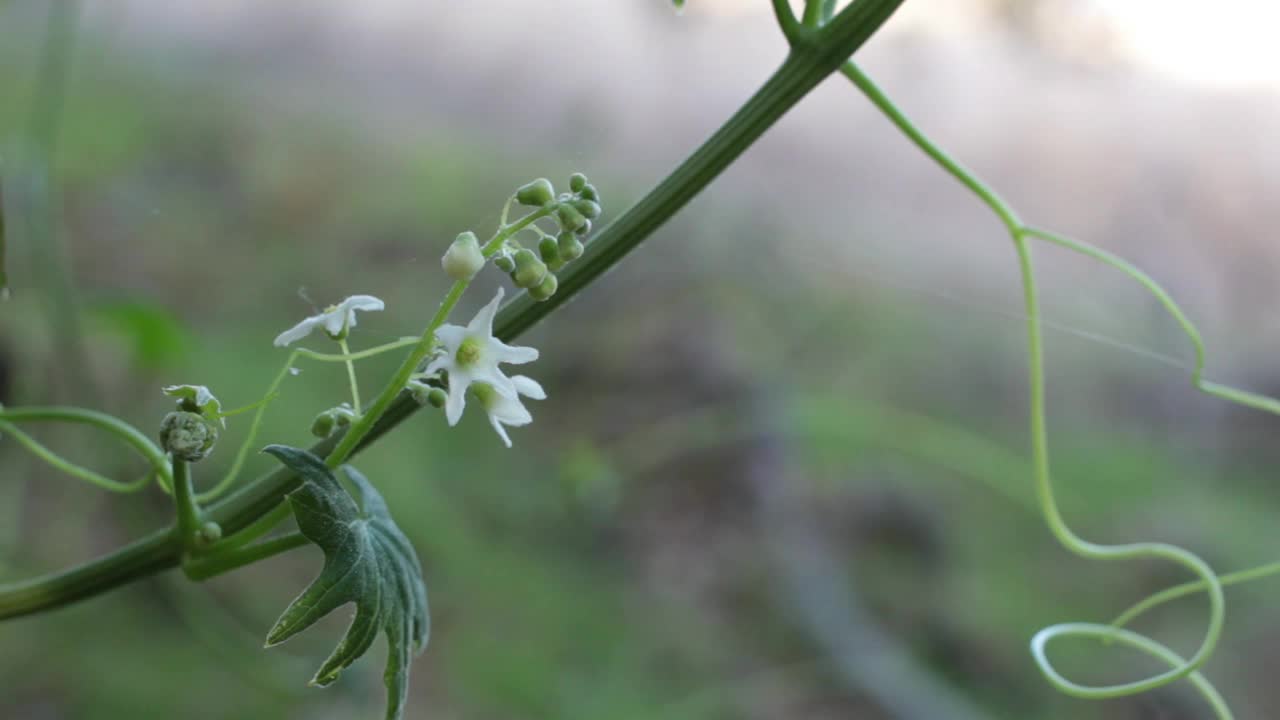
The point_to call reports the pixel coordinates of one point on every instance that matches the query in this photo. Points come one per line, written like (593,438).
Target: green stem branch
(184,498)
(804,68)
(207,566)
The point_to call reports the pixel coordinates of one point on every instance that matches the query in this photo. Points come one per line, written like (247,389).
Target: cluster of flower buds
(573,211)
(325,423)
(192,430)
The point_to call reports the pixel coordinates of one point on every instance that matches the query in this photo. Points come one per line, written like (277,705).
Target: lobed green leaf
(367,561)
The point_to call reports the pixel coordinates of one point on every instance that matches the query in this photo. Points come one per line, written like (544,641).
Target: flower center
(468,352)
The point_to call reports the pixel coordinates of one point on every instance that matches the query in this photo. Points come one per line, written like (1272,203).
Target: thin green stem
(351,376)
(1041,467)
(803,69)
(813,17)
(1248,399)
(361,355)
(260,527)
(207,566)
(184,499)
(953,167)
(131,436)
(787,22)
(58,462)
(1178,591)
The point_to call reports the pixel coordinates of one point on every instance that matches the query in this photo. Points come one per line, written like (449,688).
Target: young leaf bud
(590,193)
(588,208)
(569,217)
(322,426)
(570,246)
(529,269)
(187,435)
(577,181)
(536,194)
(548,249)
(504,263)
(545,289)
(463,259)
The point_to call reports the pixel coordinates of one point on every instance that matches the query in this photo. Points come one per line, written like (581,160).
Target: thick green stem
(808,64)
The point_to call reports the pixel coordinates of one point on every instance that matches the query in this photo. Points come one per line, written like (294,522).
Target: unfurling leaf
(367,561)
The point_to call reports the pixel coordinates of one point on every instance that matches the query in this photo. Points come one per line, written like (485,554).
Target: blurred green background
(781,472)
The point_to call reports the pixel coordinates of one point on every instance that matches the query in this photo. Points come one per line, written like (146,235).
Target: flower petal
(492,375)
(509,412)
(502,432)
(297,332)
(513,354)
(451,336)
(455,402)
(367,303)
(528,387)
(482,323)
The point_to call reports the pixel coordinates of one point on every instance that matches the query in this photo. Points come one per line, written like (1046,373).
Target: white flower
(505,410)
(335,320)
(471,355)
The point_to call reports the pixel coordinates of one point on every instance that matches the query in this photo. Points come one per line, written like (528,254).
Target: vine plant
(370,563)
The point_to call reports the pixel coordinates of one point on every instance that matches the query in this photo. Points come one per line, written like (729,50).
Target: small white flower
(336,319)
(471,355)
(505,410)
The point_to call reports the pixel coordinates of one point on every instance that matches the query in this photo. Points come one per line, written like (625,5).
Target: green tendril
(122,430)
(58,462)
(1019,233)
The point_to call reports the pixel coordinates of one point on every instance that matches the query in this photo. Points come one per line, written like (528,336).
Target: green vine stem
(809,62)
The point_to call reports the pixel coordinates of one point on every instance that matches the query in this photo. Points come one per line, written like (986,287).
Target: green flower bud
(570,246)
(209,533)
(463,259)
(187,435)
(529,269)
(504,263)
(548,249)
(577,181)
(545,289)
(555,265)
(322,426)
(536,194)
(569,217)
(437,398)
(584,228)
(589,209)
(590,193)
